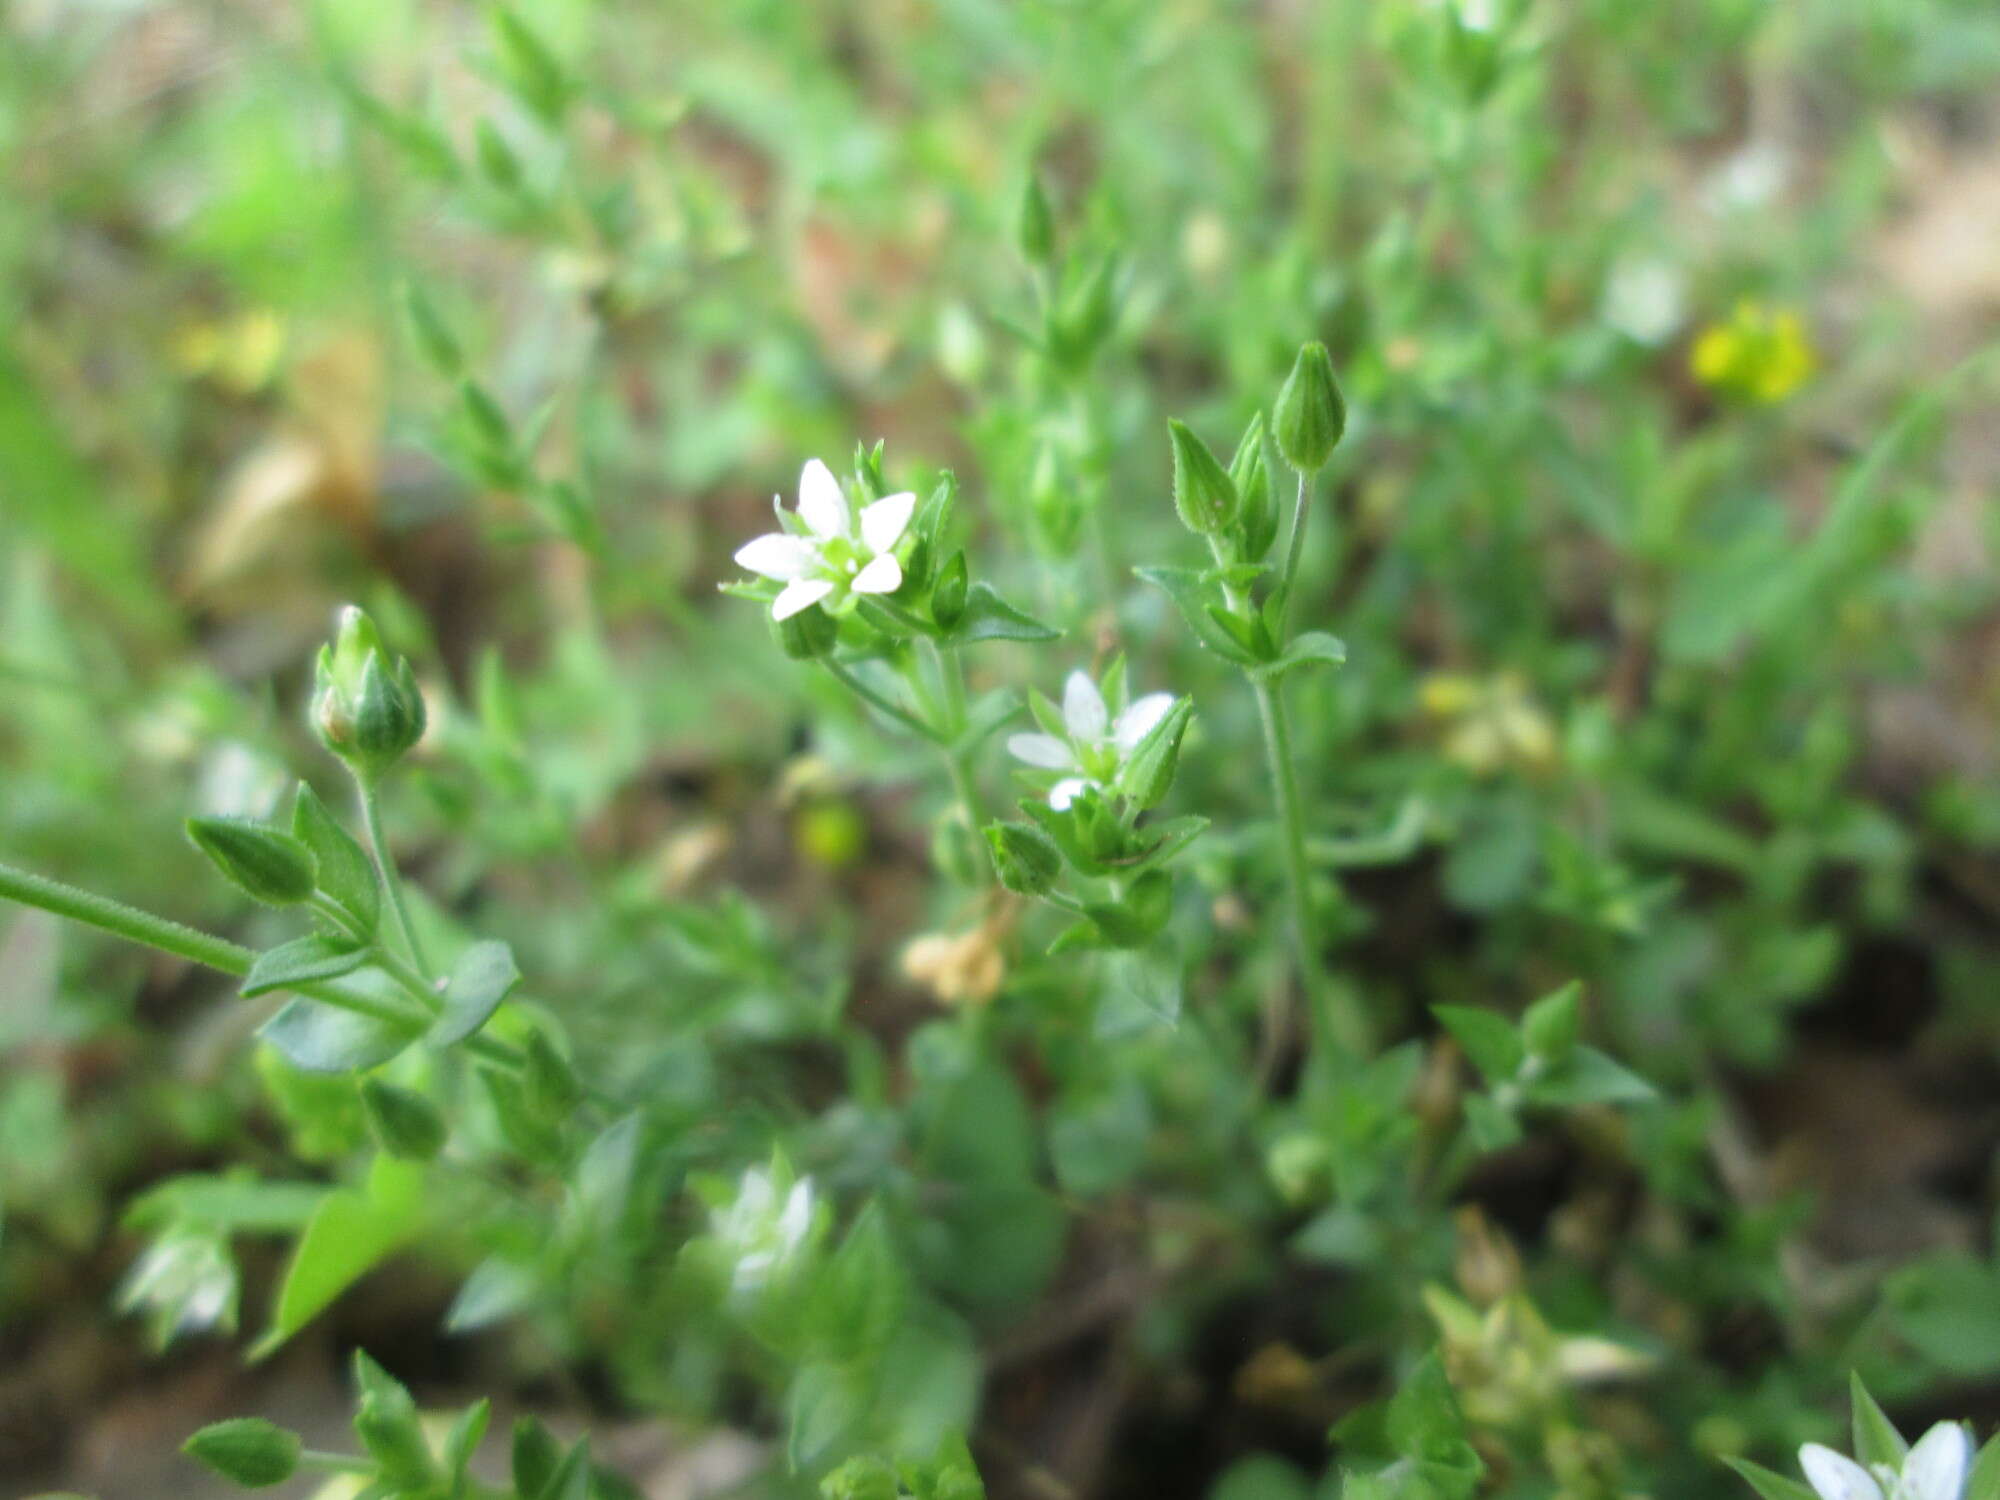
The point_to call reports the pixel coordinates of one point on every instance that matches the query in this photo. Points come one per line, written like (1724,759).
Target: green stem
(378,850)
(1295,543)
(1291,836)
(879,703)
(172,937)
(334,1463)
(126,921)
(951,674)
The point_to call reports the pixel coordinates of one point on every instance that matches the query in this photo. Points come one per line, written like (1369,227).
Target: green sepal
(404,1123)
(345,874)
(1148,772)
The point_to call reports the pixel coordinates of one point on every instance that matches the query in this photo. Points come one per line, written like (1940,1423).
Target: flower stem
(116,917)
(951,674)
(1292,844)
(378,850)
(1295,543)
(168,936)
(879,703)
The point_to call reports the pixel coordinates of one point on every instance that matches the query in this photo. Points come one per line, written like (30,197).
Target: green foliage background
(508,323)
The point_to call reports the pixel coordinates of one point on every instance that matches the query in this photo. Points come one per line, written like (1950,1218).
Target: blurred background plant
(1661,543)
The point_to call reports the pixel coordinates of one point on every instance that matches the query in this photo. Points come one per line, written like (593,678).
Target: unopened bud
(1204,494)
(1310,416)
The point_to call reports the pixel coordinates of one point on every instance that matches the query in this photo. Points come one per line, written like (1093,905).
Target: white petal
(1043,750)
(1067,791)
(1935,1469)
(1835,1476)
(822,506)
(797,1217)
(882,576)
(799,594)
(1083,707)
(1138,720)
(777,556)
(884,522)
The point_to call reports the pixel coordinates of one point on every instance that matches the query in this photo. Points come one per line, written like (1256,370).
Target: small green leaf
(1769,1485)
(987,617)
(352,1232)
(1312,646)
(1985,1481)
(404,1123)
(248,1451)
(1592,1078)
(1195,593)
(345,874)
(303,961)
(1489,1039)
(322,1038)
(1551,1024)
(1876,1440)
(263,863)
(483,977)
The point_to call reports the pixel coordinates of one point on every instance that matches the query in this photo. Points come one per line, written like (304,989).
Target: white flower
(1093,748)
(762,1234)
(1935,1469)
(840,554)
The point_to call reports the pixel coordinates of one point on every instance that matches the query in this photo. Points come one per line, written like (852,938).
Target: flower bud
(948,596)
(1310,416)
(263,863)
(248,1451)
(1204,493)
(1257,514)
(367,712)
(404,1123)
(808,634)
(1026,859)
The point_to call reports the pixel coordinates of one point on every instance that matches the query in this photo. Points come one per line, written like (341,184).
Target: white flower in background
(1645,299)
(1936,1469)
(840,554)
(1093,748)
(762,1232)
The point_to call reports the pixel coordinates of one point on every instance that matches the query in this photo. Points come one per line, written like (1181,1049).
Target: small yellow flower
(1490,722)
(1760,354)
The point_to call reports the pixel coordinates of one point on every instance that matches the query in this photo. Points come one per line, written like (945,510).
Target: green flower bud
(1026,859)
(1204,494)
(948,597)
(1034,224)
(264,864)
(389,1428)
(368,712)
(1310,415)
(1148,771)
(1257,515)
(248,1451)
(404,1123)
(807,635)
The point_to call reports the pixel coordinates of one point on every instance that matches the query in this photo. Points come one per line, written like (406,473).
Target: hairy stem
(158,932)
(126,921)
(879,703)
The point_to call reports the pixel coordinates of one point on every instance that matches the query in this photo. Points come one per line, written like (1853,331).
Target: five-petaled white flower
(840,554)
(1094,747)
(1935,1469)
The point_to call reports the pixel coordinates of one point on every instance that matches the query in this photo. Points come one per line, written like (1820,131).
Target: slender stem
(102,912)
(378,849)
(881,704)
(172,937)
(1291,836)
(951,674)
(1294,546)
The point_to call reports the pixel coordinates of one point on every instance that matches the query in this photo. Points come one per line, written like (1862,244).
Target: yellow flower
(1760,354)
(1491,722)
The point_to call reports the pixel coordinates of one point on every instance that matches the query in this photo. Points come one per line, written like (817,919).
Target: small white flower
(1093,748)
(1935,1469)
(840,554)
(764,1235)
